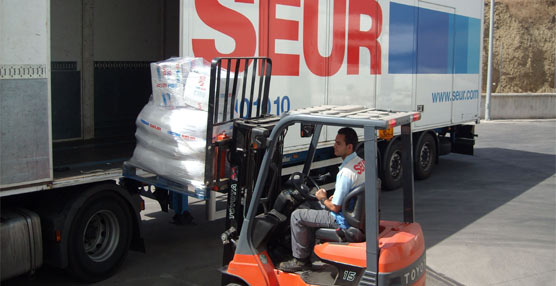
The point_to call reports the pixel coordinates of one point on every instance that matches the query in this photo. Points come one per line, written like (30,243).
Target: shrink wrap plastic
(171,139)
(169,77)
(171,142)
(181,82)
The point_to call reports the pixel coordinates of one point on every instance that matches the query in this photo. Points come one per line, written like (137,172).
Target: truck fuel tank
(21,242)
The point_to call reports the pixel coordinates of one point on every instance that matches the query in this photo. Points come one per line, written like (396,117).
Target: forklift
(260,201)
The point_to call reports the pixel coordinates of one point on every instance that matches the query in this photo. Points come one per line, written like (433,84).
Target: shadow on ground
(465,188)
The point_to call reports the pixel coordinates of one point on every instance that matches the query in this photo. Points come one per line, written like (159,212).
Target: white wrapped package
(185,149)
(171,142)
(197,91)
(197,88)
(178,170)
(169,77)
(188,123)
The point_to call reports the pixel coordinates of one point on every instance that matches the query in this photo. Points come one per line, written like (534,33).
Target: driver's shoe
(294,265)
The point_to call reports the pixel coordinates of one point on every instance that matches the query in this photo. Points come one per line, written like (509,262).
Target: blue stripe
(401,51)
(474,45)
(451,43)
(433,42)
(426,41)
(461,44)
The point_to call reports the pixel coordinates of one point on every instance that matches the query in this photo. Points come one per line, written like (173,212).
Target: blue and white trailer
(75,74)
(395,55)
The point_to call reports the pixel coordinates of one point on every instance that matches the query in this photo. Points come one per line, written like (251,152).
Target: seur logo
(348,37)
(360,167)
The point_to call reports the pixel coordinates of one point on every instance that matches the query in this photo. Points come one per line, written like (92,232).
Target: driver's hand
(320,194)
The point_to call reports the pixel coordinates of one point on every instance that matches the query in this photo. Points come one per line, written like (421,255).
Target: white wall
(24,29)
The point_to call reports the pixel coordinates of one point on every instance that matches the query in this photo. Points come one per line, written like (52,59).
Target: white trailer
(75,74)
(394,55)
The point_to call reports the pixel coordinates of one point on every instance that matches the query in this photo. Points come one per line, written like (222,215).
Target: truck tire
(392,166)
(99,237)
(425,154)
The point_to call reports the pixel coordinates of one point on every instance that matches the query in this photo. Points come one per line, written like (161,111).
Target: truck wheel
(424,156)
(392,167)
(99,237)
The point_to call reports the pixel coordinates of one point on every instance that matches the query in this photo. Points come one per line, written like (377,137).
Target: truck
(75,74)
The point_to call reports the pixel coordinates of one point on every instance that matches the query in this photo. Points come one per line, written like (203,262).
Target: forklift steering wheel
(299,181)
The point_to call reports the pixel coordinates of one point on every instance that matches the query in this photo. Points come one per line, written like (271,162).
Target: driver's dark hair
(350,136)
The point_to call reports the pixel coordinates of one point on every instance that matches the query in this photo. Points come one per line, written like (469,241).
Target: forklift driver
(304,222)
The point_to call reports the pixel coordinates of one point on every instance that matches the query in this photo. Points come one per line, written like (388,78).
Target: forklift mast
(246,155)
(246,80)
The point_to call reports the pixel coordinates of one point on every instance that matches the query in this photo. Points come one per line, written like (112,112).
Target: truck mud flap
(464,139)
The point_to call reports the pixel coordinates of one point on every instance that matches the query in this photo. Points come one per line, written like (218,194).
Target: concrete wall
(520,106)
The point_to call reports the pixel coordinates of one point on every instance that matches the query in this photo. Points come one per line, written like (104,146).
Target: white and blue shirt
(350,176)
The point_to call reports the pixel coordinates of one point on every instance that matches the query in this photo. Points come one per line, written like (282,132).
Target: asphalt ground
(488,219)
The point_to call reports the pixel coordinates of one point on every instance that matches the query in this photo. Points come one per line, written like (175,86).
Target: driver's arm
(321,196)
(329,205)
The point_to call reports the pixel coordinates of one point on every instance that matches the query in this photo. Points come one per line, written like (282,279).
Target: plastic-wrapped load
(172,127)
(171,142)
(169,77)
(180,82)
(197,88)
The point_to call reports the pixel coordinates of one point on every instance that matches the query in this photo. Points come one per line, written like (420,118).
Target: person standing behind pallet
(304,222)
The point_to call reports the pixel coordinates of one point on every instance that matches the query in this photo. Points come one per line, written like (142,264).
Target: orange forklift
(257,237)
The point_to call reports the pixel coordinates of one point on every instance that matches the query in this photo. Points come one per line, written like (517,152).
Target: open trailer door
(25,123)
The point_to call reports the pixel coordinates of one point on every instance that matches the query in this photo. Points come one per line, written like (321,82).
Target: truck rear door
(435,56)
(25,123)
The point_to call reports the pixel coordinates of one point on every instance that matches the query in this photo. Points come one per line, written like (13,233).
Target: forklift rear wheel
(392,170)
(99,237)
(425,153)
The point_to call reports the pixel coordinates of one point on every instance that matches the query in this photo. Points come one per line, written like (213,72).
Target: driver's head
(346,141)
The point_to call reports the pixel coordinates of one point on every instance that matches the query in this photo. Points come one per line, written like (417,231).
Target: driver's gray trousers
(304,223)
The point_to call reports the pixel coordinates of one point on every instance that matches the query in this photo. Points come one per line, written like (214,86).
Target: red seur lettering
(317,64)
(364,39)
(279,29)
(216,16)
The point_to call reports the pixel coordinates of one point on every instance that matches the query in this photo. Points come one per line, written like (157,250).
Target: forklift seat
(353,209)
